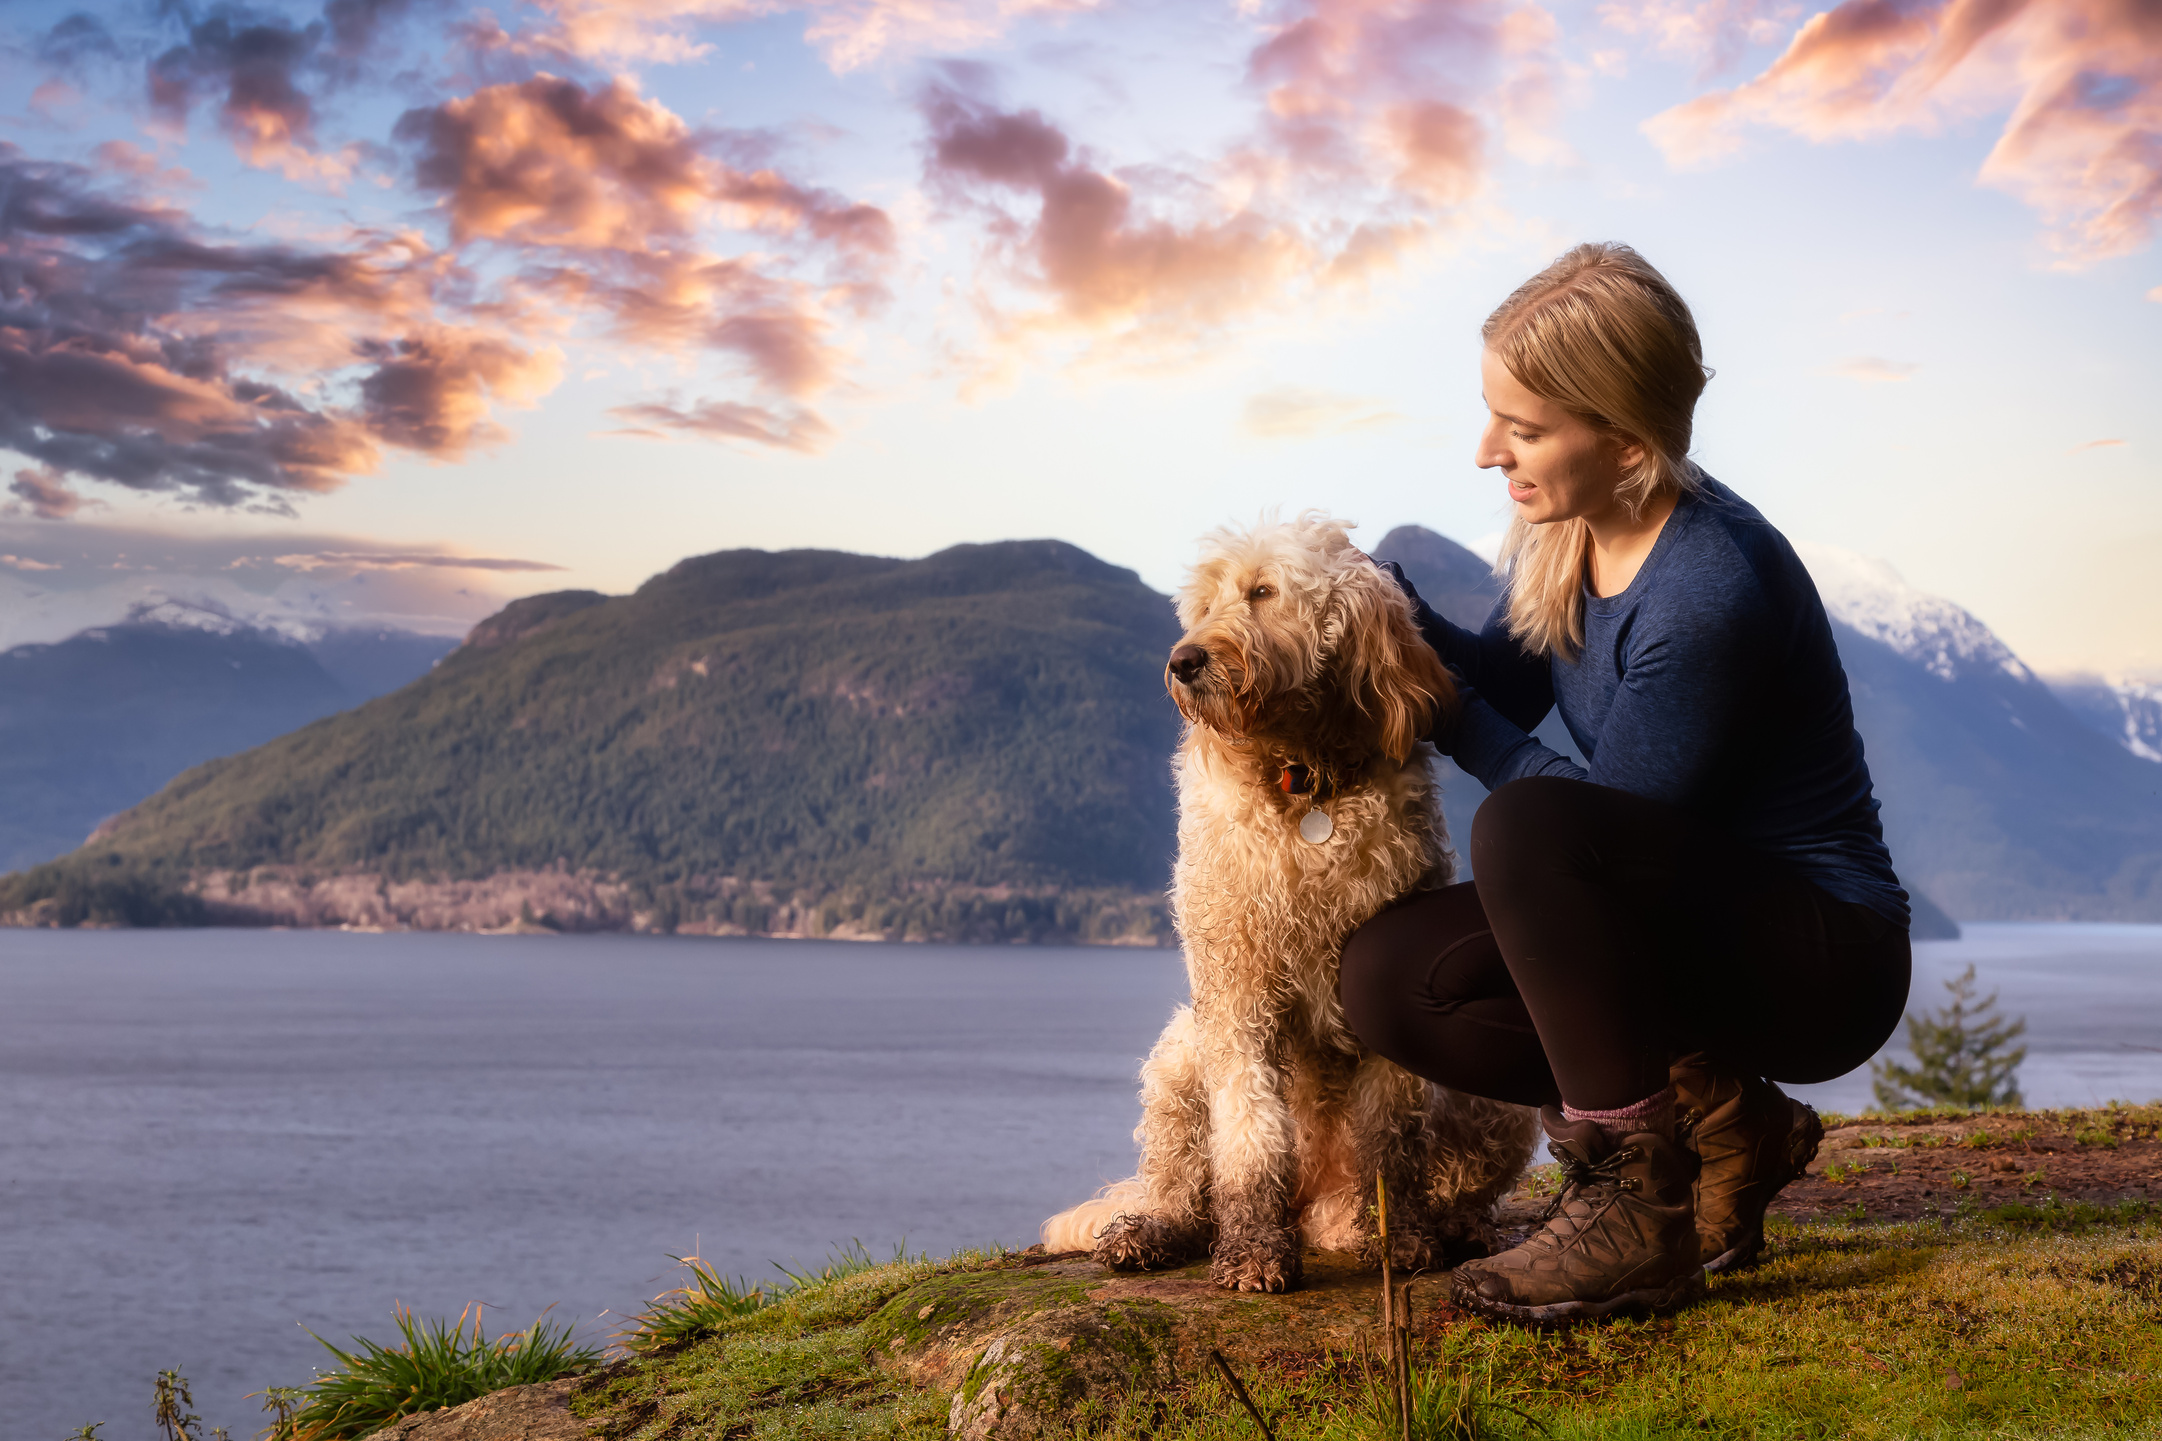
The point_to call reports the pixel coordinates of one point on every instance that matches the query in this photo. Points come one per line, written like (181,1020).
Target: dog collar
(1304,780)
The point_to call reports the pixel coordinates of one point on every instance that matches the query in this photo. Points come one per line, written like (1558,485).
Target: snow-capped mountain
(1949,641)
(1999,800)
(2127,711)
(1941,636)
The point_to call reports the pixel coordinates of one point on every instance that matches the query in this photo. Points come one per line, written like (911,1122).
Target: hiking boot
(1620,1236)
(1751,1139)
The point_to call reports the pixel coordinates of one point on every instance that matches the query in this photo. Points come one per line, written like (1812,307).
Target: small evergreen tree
(1963,1056)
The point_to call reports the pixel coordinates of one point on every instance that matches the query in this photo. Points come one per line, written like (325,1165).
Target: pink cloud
(781,429)
(608,200)
(1375,129)
(1711,32)
(343,560)
(259,69)
(44,493)
(849,34)
(1875,370)
(138,350)
(2082,79)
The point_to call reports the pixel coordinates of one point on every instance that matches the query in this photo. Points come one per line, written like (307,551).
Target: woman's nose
(1489,452)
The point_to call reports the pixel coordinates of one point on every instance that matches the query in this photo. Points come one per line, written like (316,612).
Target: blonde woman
(1649,944)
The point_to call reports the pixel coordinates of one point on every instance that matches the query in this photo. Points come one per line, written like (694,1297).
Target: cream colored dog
(1306,804)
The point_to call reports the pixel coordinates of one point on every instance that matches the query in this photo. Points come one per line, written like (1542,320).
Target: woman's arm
(1684,680)
(1518,685)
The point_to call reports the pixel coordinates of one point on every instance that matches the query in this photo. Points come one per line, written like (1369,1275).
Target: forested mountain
(95,723)
(976,742)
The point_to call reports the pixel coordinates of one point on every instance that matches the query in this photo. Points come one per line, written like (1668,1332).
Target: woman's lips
(1518,490)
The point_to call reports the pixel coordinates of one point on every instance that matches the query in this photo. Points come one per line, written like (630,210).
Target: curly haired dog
(1306,805)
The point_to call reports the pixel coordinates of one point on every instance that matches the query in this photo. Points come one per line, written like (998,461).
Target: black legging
(1606,934)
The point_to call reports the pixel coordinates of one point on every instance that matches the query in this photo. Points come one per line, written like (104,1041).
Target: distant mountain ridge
(95,723)
(973,746)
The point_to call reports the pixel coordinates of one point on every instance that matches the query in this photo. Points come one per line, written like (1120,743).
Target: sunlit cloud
(2095,445)
(789,428)
(604,196)
(258,71)
(1290,412)
(43,493)
(399,560)
(2082,80)
(1375,130)
(138,349)
(1875,370)
(1714,33)
(848,34)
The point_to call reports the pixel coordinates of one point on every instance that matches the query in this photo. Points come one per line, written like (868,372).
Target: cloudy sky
(389,310)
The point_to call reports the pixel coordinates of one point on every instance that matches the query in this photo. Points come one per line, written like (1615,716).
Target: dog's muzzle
(1187,663)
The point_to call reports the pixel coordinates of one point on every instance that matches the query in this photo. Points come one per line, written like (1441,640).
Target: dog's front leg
(1170,1226)
(1253,1164)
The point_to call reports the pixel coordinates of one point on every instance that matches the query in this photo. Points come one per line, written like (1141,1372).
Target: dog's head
(1293,636)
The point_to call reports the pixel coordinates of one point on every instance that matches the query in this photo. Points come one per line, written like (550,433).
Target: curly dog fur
(1264,1122)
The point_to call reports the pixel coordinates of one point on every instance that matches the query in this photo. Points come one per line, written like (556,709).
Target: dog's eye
(1261,592)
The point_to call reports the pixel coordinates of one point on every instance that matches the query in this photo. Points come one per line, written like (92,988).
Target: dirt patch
(1904,1173)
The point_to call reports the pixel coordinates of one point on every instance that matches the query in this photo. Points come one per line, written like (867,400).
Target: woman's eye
(1520,435)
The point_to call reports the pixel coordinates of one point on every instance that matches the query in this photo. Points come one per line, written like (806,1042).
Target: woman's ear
(1397,680)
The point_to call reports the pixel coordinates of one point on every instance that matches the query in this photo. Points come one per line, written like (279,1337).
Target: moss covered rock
(1024,1351)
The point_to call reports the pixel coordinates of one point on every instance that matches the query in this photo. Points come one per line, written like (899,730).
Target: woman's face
(1558,466)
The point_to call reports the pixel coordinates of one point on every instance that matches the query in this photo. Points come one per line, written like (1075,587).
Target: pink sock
(1654,1113)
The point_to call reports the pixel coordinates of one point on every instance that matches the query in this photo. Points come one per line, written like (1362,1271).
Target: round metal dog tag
(1316,826)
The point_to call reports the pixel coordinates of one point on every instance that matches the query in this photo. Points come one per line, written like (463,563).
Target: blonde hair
(1603,335)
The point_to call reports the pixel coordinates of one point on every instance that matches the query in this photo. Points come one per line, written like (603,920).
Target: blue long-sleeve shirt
(1711,683)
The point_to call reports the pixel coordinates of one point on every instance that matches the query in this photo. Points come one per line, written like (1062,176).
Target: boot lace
(1580,1177)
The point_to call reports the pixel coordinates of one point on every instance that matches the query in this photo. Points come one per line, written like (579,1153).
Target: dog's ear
(1386,664)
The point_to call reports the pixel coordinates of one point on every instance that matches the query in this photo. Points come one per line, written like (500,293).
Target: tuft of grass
(2096,1136)
(703,1302)
(438,1363)
(706,1300)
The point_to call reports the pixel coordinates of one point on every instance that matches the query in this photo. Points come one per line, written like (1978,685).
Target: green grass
(707,1300)
(438,1363)
(2047,1315)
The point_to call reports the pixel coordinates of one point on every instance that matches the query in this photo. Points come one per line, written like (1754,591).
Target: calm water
(211,1139)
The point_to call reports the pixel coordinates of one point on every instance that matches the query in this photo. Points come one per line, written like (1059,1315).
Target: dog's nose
(1187,662)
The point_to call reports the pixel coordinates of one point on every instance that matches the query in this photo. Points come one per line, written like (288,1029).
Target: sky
(383,312)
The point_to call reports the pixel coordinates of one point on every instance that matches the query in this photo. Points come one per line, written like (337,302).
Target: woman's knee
(1529,823)
(1392,965)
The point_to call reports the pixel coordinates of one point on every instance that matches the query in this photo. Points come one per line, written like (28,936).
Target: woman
(1711,903)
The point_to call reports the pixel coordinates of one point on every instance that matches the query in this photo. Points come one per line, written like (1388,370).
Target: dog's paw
(1143,1243)
(1267,1262)
(1410,1250)
(1466,1236)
